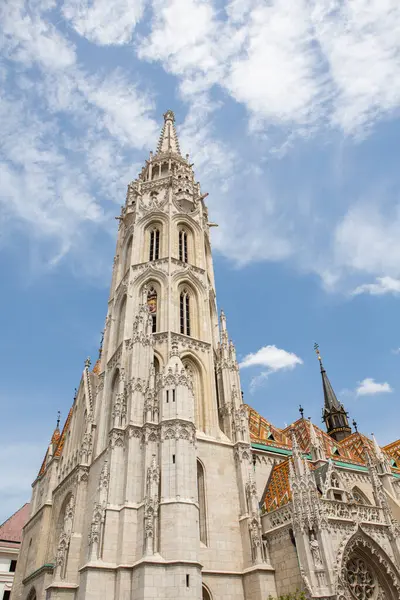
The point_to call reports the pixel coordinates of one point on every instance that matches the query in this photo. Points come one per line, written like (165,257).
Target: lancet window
(121,321)
(184,306)
(183,246)
(152,306)
(154,250)
(127,256)
(202,503)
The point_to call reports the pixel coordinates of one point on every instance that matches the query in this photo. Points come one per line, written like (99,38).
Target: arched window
(152,306)
(114,393)
(206,593)
(156,364)
(121,321)
(194,371)
(32,594)
(127,257)
(154,252)
(201,491)
(183,246)
(359,497)
(184,307)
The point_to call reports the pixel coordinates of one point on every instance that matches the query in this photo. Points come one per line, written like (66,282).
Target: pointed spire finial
(316,348)
(169,116)
(168,141)
(88,363)
(355,426)
(58,419)
(301,411)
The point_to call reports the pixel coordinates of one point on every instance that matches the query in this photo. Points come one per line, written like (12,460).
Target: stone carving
(98,514)
(86,447)
(64,540)
(191,343)
(151,504)
(119,409)
(116,438)
(315,552)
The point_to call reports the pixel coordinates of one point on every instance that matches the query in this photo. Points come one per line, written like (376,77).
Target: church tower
(149,492)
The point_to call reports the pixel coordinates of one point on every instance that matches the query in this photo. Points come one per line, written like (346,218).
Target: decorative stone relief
(64,540)
(315,552)
(151,505)
(98,514)
(86,447)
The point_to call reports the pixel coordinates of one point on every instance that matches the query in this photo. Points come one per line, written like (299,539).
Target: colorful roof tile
(57,439)
(277,491)
(262,431)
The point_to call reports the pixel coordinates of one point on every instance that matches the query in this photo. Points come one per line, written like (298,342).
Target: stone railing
(276,518)
(362,512)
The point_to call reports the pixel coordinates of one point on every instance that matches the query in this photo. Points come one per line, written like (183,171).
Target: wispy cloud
(370,387)
(273,358)
(382,286)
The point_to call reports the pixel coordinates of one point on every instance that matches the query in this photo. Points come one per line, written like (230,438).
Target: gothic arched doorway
(206,593)
(367,572)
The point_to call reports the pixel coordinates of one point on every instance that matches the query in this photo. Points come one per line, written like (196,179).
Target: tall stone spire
(168,141)
(333,413)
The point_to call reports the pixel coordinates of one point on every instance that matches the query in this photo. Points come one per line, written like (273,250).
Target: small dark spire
(301,411)
(101,343)
(58,419)
(333,414)
(75,393)
(355,425)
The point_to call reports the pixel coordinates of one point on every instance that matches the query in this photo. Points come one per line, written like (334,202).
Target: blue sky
(289,111)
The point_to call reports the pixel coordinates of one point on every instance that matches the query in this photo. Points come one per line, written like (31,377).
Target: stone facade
(156,487)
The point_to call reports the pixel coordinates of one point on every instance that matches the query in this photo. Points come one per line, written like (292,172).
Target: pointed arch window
(121,321)
(152,306)
(184,306)
(128,252)
(183,246)
(201,491)
(154,251)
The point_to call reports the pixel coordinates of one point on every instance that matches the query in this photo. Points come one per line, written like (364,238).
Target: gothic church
(162,483)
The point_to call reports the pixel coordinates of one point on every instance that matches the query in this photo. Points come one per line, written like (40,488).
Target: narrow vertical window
(184,306)
(202,503)
(152,306)
(121,321)
(183,246)
(173,395)
(154,253)
(151,257)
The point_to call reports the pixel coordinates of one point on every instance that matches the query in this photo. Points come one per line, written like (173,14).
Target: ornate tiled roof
(278,489)
(263,431)
(11,529)
(355,444)
(351,449)
(393,452)
(57,440)
(61,442)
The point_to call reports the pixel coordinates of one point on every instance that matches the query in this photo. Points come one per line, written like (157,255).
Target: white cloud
(272,357)
(342,59)
(368,240)
(383,285)
(104,22)
(369,387)
(29,37)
